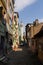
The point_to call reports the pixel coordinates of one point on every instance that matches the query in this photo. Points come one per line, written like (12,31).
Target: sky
(29,10)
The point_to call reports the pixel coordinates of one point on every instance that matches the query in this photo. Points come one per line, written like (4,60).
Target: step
(4,59)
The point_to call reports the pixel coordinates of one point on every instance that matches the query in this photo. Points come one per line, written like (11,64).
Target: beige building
(3,4)
(15,30)
(35,37)
(9,17)
(10,12)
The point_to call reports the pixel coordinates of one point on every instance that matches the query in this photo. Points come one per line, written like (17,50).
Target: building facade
(3,38)
(21,31)
(27,29)
(7,19)
(3,4)
(35,38)
(15,30)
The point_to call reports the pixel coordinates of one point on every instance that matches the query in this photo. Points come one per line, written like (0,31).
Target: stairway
(3,59)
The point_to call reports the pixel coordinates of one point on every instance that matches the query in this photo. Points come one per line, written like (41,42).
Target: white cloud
(21,4)
(41,20)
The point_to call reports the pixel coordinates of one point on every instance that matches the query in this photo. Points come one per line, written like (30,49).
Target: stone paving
(23,57)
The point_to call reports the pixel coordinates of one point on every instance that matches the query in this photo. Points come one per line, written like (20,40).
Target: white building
(21,30)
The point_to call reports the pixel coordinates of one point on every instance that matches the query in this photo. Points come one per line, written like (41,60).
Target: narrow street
(23,57)
(21,32)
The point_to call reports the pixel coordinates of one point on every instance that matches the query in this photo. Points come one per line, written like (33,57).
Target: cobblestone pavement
(23,57)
